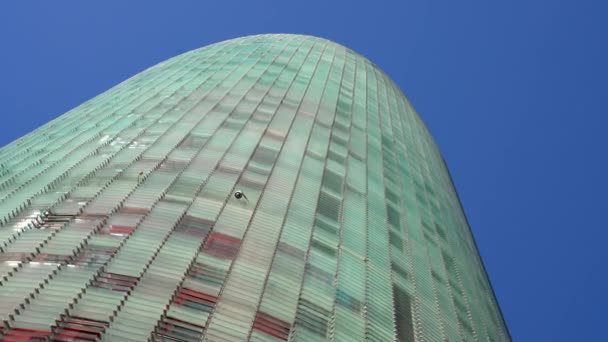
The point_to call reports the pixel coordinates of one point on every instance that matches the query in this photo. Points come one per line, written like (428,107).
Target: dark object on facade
(239,194)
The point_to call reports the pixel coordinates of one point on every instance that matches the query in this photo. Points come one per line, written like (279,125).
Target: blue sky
(513,91)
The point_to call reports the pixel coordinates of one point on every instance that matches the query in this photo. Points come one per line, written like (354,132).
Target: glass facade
(120,220)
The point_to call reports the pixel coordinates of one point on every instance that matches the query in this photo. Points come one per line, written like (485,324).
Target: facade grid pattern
(118,220)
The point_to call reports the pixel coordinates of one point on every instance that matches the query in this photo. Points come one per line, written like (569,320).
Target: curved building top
(266,188)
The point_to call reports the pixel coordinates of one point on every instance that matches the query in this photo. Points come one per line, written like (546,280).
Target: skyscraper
(271,188)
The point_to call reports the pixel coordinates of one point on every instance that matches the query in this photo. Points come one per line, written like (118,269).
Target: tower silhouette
(266,188)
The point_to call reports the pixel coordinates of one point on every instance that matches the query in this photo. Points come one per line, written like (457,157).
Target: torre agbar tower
(266,188)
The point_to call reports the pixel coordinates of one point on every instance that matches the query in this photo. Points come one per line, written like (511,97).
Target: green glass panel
(266,188)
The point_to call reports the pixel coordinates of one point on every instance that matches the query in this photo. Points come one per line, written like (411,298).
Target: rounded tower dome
(266,188)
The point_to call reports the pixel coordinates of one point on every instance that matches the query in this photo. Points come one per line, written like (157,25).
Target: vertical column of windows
(428,236)
(249,268)
(355,215)
(349,320)
(456,237)
(435,228)
(277,308)
(318,291)
(270,319)
(203,280)
(380,311)
(404,286)
(470,267)
(394,210)
(317,109)
(425,249)
(429,217)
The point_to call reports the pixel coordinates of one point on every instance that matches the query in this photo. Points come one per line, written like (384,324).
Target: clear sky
(513,91)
